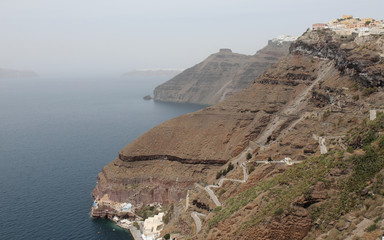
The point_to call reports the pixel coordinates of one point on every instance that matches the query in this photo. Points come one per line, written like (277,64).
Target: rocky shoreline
(123,214)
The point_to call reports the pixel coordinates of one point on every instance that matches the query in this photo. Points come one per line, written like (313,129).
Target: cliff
(10,73)
(323,89)
(220,75)
(192,148)
(338,195)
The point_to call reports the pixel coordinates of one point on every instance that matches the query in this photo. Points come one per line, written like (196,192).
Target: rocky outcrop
(359,57)
(10,73)
(145,182)
(220,75)
(292,226)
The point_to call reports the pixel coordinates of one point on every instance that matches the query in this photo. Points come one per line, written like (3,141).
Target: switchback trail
(195,215)
(212,194)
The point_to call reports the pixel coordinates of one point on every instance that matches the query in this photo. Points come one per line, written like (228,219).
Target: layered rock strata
(220,75)
(281,115)
(358,57)
(163,163)
(346,69)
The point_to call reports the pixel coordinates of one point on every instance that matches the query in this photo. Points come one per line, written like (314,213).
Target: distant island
(154,72)
(11,73)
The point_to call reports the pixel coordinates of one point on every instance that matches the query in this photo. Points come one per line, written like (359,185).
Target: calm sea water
(55,137)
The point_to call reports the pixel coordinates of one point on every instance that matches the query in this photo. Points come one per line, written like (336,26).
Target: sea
(56,134)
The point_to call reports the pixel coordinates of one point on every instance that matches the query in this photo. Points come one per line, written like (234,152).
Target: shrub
(355,97)
(369,91)
(326,114)
(225,171)
(371,228)
(136,225)
(219,174)
(249,156)
(217,209)
(167,236)
(381,142)
(355,86)
(369,137)
(148,211)
(279,211)
(251,169)
(168,215)
(229,168)
(221,192)
(350,149)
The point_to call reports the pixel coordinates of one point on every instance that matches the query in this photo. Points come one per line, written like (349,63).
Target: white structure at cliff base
(152,227)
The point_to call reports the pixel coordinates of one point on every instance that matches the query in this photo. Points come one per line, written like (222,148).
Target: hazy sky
(114,36)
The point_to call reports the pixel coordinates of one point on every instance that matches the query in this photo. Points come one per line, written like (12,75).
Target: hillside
(220,75)
(315,100)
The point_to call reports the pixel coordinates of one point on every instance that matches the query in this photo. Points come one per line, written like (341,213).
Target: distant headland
(154,72)
(11,73)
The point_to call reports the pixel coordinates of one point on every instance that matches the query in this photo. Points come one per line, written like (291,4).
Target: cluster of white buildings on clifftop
(347,25)
(283,38)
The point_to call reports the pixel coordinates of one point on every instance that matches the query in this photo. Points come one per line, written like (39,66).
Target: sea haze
(55,137)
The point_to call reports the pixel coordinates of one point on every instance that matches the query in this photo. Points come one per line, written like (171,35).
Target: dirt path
(287,161)
(294,107)
(195,216)
(213,196)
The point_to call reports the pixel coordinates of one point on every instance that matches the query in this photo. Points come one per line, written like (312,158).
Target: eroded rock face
(288,227)
(145,182)
(274,112)
(219,76)
(359,57)
(163,163)
(331,93)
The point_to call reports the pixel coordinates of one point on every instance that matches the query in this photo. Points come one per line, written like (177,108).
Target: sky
(65,37)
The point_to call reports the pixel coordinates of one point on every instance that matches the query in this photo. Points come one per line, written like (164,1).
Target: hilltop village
(347,25)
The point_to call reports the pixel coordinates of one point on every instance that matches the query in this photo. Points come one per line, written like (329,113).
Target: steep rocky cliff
(220,75)
(338,195)
(324,88)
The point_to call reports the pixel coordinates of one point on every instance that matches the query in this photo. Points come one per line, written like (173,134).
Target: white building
(283,38)
(126,207)
(153,226)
